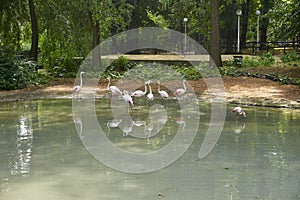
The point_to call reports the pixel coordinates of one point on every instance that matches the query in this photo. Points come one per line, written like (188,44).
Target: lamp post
(185,47)
(257,12)
(238,13)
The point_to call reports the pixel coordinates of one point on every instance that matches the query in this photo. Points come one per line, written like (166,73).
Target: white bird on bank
(162,93)
(150,96)
(140,93)
(77,88)
(114,89)
(239,111)
(180,91)
(113,124)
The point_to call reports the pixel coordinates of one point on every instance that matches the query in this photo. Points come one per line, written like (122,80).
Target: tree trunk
(245,19)
(34,35)
(263,29)
(229,29)
(215,49)
(267,5)
(96,53)
(95,44)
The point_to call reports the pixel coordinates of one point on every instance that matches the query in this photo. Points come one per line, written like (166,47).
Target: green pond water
(44,155)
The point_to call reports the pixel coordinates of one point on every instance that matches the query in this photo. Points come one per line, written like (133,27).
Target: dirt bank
(238,90)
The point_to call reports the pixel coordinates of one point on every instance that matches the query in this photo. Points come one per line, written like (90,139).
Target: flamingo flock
(115,91)
(128,98)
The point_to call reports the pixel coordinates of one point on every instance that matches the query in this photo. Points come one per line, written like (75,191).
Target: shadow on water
(42,155)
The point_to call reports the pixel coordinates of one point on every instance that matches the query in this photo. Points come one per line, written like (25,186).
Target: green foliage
(118,67)
(228,70)
(13,23)
(266,59)
(123,68)
(158,19)
(203,70)
(284,23)
(17,72)
(152,71)
(250,62)
(290,57)
(188,72)
(297,82)
(66,67)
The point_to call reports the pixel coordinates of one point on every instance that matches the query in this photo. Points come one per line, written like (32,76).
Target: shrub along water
(17,72)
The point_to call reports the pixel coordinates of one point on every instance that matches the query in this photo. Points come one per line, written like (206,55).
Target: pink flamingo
(77,88)
(114,89)
(180,91)
(162,93)
(239,111)
(150,96)
(139,93)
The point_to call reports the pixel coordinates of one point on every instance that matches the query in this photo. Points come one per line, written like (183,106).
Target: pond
(44,154)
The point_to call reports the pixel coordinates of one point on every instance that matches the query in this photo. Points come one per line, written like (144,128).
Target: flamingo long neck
(184,87)
(108,84)
(150,88)
(145,89)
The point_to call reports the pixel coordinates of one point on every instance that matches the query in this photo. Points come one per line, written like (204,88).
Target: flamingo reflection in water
(148,132)
(113,124)
(127,99)
(78,124)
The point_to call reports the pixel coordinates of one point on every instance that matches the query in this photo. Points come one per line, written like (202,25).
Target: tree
(215,49)
(34,29)
(13,19)
(245,21)
(284,23)
(139,17)
(267,5)
(198,14)
(95,39)
(229,29)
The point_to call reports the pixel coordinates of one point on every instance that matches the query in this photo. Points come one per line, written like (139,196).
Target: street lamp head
(185,19)
(238,12)
(257,12)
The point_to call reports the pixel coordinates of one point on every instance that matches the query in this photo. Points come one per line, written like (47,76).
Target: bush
(266,59)
(17,72)
(250,62)
(66,67)
(118,67)
(188,72)
(228,71)
(290,57)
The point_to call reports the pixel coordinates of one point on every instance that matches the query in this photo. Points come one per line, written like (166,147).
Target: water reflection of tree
(19,161)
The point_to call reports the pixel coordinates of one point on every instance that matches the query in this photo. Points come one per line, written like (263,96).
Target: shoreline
(244,91)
